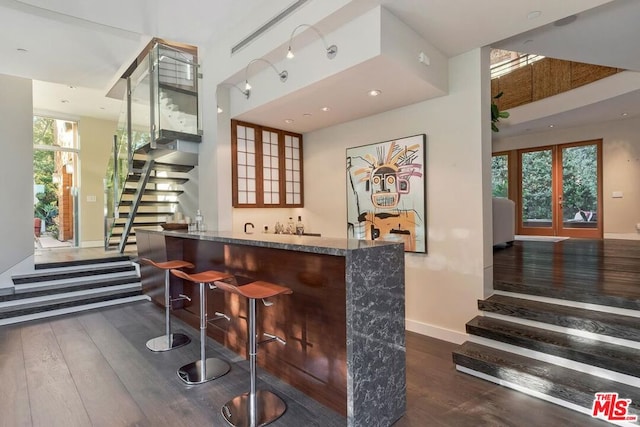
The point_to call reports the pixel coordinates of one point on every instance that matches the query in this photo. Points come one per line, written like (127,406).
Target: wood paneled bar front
(343,325)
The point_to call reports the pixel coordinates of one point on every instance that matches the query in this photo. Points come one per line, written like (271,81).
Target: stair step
(149,202)
(168,167)
(67,285)
(546,288)
(526,374)
(41,303)
(91,261)
(579,349)
(73,309)
(145,214)
(595,322)
(120,224)
(70,272)
(159,180)
(148,192)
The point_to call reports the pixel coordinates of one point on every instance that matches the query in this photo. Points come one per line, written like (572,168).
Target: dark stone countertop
(312,244)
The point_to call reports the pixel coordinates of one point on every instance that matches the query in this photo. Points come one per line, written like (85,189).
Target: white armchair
(503,221)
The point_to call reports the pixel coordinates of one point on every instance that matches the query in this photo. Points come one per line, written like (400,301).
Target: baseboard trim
(435,331)
(623,236)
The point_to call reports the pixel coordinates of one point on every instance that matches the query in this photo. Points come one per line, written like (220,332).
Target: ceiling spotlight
(247,86)
(374,92)
(325,109)
(625,114)
(307,114)
(246,93)
(551,126)
(64,101)
(288,121)
(332,50)
(22,50)
(220,110)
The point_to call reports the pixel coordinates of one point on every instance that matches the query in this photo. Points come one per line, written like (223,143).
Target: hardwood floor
(594,271)
(94,369)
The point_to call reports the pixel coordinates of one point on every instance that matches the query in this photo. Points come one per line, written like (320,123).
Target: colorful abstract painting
(386,192)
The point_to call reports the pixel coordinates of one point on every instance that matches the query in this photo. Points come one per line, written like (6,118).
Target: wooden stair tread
(158,180)
(588,351)
(597,322)
(567,384)
(149,192)
(545,288)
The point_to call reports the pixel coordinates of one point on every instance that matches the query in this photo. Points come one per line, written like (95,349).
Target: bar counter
(343,325)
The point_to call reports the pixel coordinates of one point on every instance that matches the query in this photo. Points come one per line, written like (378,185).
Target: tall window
(55,168)
(266,166)
(500,175)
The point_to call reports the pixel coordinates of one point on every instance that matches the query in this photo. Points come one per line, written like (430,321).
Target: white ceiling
(100,39)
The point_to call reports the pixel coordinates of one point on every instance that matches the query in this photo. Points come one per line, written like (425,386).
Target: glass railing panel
(141,104)
(177,83)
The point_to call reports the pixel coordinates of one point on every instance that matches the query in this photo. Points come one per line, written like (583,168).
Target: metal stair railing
(137,198)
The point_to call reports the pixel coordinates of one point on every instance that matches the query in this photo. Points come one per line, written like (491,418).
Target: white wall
(16,171)
(442,287)
(620,163)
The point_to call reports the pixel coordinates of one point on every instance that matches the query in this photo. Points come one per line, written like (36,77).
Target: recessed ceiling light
(527,41)
(288,121)
(325,109)
(307,114)
(22,50)
(374,92)
(102,108)
(534,14)
(625,114)
(64,101)
(71,87)
(550,126)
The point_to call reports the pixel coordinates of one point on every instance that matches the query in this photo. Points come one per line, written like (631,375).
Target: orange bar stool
(205,369)
(168,341)
(257,407)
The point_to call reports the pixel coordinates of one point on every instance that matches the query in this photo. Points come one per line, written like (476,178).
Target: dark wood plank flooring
(603,272)
(94,369)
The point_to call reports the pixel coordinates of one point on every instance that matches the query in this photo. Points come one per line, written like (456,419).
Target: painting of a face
(386,198)
(384,192)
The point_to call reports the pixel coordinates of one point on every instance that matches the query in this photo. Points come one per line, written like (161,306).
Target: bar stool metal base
(168,342)
(192,373)
(269,407)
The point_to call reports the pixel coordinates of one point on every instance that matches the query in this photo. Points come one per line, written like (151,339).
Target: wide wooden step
(523,373)
(596,322)
(69,273)
(589,293)
(603,355)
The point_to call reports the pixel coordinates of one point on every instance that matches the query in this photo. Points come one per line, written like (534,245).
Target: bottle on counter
(199,221)
(291,228)
(299,226)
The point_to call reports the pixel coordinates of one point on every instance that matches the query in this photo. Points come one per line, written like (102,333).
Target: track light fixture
(245,92)
(332,50)
(282,74)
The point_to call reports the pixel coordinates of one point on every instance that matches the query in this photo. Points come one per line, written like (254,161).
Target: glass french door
(561,190)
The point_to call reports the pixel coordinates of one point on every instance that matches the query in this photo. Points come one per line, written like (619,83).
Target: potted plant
(496,114)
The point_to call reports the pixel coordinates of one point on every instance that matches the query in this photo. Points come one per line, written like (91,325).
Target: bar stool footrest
(168,342)
(269,407)
(191,373)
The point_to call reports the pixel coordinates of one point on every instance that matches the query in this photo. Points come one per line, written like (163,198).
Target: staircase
(150,193)
(69,287)
(156,146)
(554,348)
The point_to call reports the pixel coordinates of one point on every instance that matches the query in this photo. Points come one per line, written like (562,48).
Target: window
(266,166)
